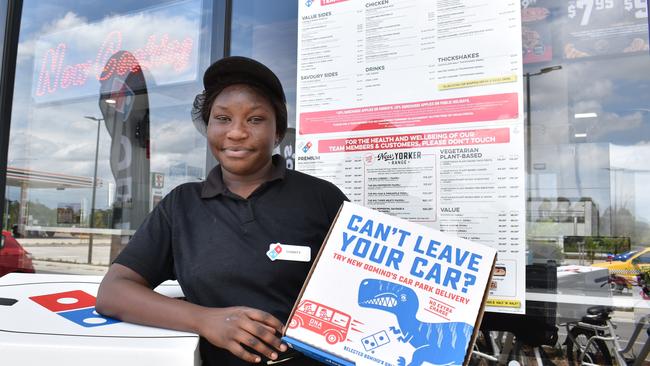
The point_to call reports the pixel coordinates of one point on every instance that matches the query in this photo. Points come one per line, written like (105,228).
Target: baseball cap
(240,70)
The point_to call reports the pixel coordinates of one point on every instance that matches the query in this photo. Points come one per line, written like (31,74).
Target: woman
(214,237)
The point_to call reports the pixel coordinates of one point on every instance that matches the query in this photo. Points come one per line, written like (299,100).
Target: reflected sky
(49,129)
(268,32)
(593,114)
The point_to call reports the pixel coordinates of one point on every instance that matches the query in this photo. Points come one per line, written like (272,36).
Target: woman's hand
(126,295)
(230,328)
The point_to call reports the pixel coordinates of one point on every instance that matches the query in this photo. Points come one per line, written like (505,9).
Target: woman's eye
(221,119)
(256,120)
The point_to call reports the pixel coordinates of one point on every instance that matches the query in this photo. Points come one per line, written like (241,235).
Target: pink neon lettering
(109,47)
(54,74)
(51,70)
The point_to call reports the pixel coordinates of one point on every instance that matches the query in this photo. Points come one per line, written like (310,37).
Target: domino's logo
(274,252)
(375,341)
(76,306)
(307,146)
(309,2)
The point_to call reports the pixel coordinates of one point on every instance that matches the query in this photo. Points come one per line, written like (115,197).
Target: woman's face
(242,130)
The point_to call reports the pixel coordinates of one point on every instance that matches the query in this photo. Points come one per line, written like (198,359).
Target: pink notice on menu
(482,108)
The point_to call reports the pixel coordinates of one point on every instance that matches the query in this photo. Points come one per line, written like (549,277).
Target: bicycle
(504,338)
(593,341)
(618,284)
(503,348)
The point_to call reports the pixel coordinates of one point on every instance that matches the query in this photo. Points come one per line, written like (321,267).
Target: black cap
(242,70)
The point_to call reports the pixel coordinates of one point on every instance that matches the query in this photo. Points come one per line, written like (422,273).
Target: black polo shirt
(214,242)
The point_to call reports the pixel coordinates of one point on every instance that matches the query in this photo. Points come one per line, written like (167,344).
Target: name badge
(285,252)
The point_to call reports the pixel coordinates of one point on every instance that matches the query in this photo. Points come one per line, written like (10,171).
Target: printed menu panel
(414,109)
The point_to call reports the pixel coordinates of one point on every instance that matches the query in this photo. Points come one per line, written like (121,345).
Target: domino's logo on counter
(76,306)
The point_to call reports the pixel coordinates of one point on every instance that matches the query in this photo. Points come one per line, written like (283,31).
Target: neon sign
(71,63)
(54,73)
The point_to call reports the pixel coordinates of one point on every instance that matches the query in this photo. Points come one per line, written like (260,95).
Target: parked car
(621,257)
(13,257)
(630,267)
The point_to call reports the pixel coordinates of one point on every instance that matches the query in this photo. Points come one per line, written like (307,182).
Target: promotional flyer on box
(390,292)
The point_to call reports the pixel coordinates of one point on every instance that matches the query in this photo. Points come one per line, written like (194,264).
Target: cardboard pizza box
(385,291)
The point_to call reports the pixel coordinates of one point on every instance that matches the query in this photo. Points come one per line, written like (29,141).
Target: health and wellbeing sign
(414,108)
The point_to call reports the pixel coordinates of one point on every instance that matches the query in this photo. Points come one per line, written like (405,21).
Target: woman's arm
(124,294)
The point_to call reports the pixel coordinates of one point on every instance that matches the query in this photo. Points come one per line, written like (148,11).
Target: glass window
(644,258)
(268,32)
(100,128)
(586,83)
(589,116)
(101,131)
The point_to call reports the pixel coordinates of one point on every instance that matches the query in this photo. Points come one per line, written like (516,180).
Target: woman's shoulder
(188,188)
(183,193)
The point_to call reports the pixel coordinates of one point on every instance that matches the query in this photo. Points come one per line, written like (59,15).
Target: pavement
(68,255)
(49,266)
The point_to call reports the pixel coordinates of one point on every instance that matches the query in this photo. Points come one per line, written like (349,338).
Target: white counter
(52,322)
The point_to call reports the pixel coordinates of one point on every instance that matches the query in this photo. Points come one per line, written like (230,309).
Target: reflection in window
(100,126)
(268,32)
(589,120)
(643,259)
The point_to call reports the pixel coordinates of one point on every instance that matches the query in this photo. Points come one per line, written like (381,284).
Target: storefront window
(100,132)
(586,65)
(585,68)
(585,91)
(100,128)
(268,31)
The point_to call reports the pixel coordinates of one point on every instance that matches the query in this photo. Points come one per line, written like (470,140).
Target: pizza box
(385,291)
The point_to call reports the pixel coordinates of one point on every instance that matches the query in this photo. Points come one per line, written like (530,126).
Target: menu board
(414,109)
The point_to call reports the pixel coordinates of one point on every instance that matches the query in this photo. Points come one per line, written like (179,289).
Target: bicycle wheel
(526,354)
(483,344)
(598,353)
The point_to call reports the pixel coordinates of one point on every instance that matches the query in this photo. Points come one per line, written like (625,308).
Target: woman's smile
(237,152)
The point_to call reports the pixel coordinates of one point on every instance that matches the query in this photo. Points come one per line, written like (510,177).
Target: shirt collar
(214,185)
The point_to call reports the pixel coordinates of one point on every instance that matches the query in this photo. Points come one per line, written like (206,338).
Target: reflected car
(624,256)
(638,261)
(13,257)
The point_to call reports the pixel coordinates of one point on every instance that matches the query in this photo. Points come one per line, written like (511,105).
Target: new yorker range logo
(399,157)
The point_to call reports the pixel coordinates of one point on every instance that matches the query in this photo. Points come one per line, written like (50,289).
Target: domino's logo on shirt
(77,306)
(274,251)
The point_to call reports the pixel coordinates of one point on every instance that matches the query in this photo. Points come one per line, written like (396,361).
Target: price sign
(605,27)
(583,9)
(639,7)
